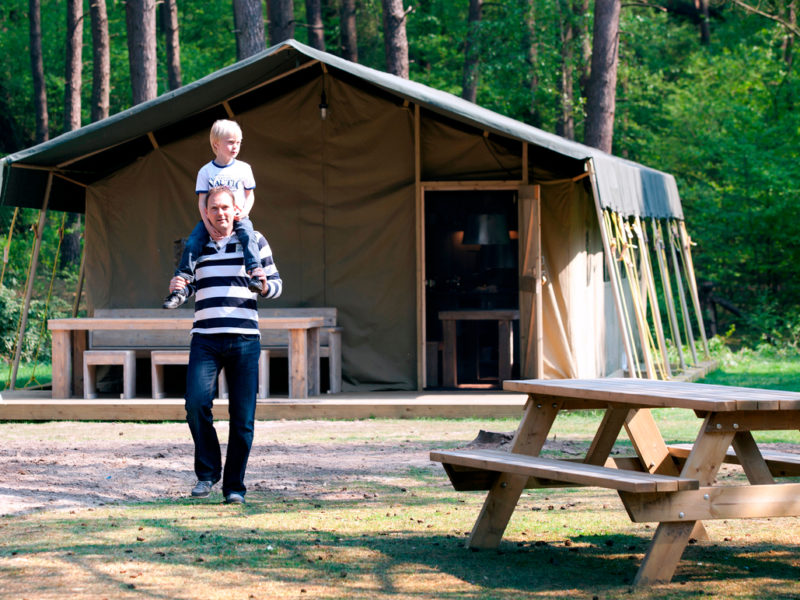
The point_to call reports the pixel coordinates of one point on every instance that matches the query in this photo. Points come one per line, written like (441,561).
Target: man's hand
(177,283)
(214,233)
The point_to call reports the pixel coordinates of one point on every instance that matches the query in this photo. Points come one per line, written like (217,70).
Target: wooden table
(505,348)
(70,335)
(673,486)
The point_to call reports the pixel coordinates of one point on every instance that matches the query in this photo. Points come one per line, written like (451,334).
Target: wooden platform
(38,406)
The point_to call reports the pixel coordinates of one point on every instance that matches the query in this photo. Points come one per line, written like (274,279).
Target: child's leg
(191,252)
(244,233)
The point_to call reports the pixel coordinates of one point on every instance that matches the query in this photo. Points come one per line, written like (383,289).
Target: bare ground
(68,465)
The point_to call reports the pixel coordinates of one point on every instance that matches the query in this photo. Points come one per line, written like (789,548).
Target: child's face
(227,148)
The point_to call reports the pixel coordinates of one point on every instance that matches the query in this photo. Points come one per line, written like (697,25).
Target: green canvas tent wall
(342,202)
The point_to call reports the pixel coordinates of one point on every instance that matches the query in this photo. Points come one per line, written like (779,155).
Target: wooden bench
(160,358)
(164,342)
(458,464)
(781,464)
(124,358)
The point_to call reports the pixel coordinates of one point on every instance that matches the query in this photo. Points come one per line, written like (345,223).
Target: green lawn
(396,533)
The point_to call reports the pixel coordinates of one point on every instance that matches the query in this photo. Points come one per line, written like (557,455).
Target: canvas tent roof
(92,152)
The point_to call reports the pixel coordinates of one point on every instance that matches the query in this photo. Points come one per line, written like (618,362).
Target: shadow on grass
(215,541)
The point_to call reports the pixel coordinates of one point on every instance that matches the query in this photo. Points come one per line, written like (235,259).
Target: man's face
(220,212)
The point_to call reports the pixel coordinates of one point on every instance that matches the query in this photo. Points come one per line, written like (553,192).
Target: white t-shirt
(237,176)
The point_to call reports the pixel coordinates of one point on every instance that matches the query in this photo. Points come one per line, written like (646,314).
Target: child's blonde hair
(222,128)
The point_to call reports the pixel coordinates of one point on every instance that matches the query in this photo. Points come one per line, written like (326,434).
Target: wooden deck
(29,405)
(38,406)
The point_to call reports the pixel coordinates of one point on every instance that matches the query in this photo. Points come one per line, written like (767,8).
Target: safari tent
(372,191)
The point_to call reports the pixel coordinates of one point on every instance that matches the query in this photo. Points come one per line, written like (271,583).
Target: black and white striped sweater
(223,304)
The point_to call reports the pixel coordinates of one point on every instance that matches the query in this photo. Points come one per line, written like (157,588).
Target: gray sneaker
(202,489)
(234,498)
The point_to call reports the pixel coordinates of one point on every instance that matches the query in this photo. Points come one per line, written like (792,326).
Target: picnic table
(673,486)
(304,373)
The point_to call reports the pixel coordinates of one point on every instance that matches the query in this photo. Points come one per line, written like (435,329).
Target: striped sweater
(223,304)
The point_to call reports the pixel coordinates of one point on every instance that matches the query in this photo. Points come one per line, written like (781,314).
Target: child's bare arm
(249,200)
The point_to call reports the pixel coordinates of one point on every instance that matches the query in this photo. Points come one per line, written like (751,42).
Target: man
(224,335)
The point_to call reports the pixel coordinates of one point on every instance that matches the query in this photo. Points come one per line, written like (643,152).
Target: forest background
(705,89)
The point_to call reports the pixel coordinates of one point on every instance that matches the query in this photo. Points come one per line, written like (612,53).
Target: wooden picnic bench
(672,485)
(118,336)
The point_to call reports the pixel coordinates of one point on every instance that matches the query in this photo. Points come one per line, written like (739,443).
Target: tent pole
(647,271)
(612,273)
(81,274)
(29,282)
(681,294)
(689,266)
(7,248)
(667,285)
(639,308)
(615,243)
(419,203)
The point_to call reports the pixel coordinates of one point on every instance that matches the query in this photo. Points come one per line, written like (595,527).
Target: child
(224,170)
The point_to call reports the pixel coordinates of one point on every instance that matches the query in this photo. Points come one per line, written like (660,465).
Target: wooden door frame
(451,186)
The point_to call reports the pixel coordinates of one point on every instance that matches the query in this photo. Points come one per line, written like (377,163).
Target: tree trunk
(565,124)
(316,30)
(73,65)
(395,41)
(788,39)
(71,243)
(581,8)
(601,95)
(469,84)
(101,60)
(531,41)
(248,18)
(348,27)
(37,69)
(702,15)
(169,21)
(140,17)
(281,20)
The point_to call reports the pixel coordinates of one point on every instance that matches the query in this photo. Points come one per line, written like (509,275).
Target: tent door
(471,266)
(530,282)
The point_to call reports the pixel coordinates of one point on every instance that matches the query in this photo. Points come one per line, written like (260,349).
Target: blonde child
(224,171)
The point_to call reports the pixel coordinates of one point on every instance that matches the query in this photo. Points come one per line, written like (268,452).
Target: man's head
(220,209)
(226,140)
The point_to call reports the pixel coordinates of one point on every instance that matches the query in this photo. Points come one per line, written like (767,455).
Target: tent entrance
(471,266)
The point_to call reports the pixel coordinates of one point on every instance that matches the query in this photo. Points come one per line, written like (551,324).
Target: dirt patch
(66,465)
(72,465)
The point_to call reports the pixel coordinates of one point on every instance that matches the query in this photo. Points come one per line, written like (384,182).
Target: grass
(28,375)
(397,536)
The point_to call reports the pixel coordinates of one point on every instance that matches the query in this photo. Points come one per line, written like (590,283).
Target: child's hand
(176,284)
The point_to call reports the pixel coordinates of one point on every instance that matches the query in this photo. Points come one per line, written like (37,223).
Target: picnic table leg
(653,452)
(606,435)
(503,497)
(671,537)
(298,363)
(750,458)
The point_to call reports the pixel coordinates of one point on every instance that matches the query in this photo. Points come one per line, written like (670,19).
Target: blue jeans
(243,229)
(238,354)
